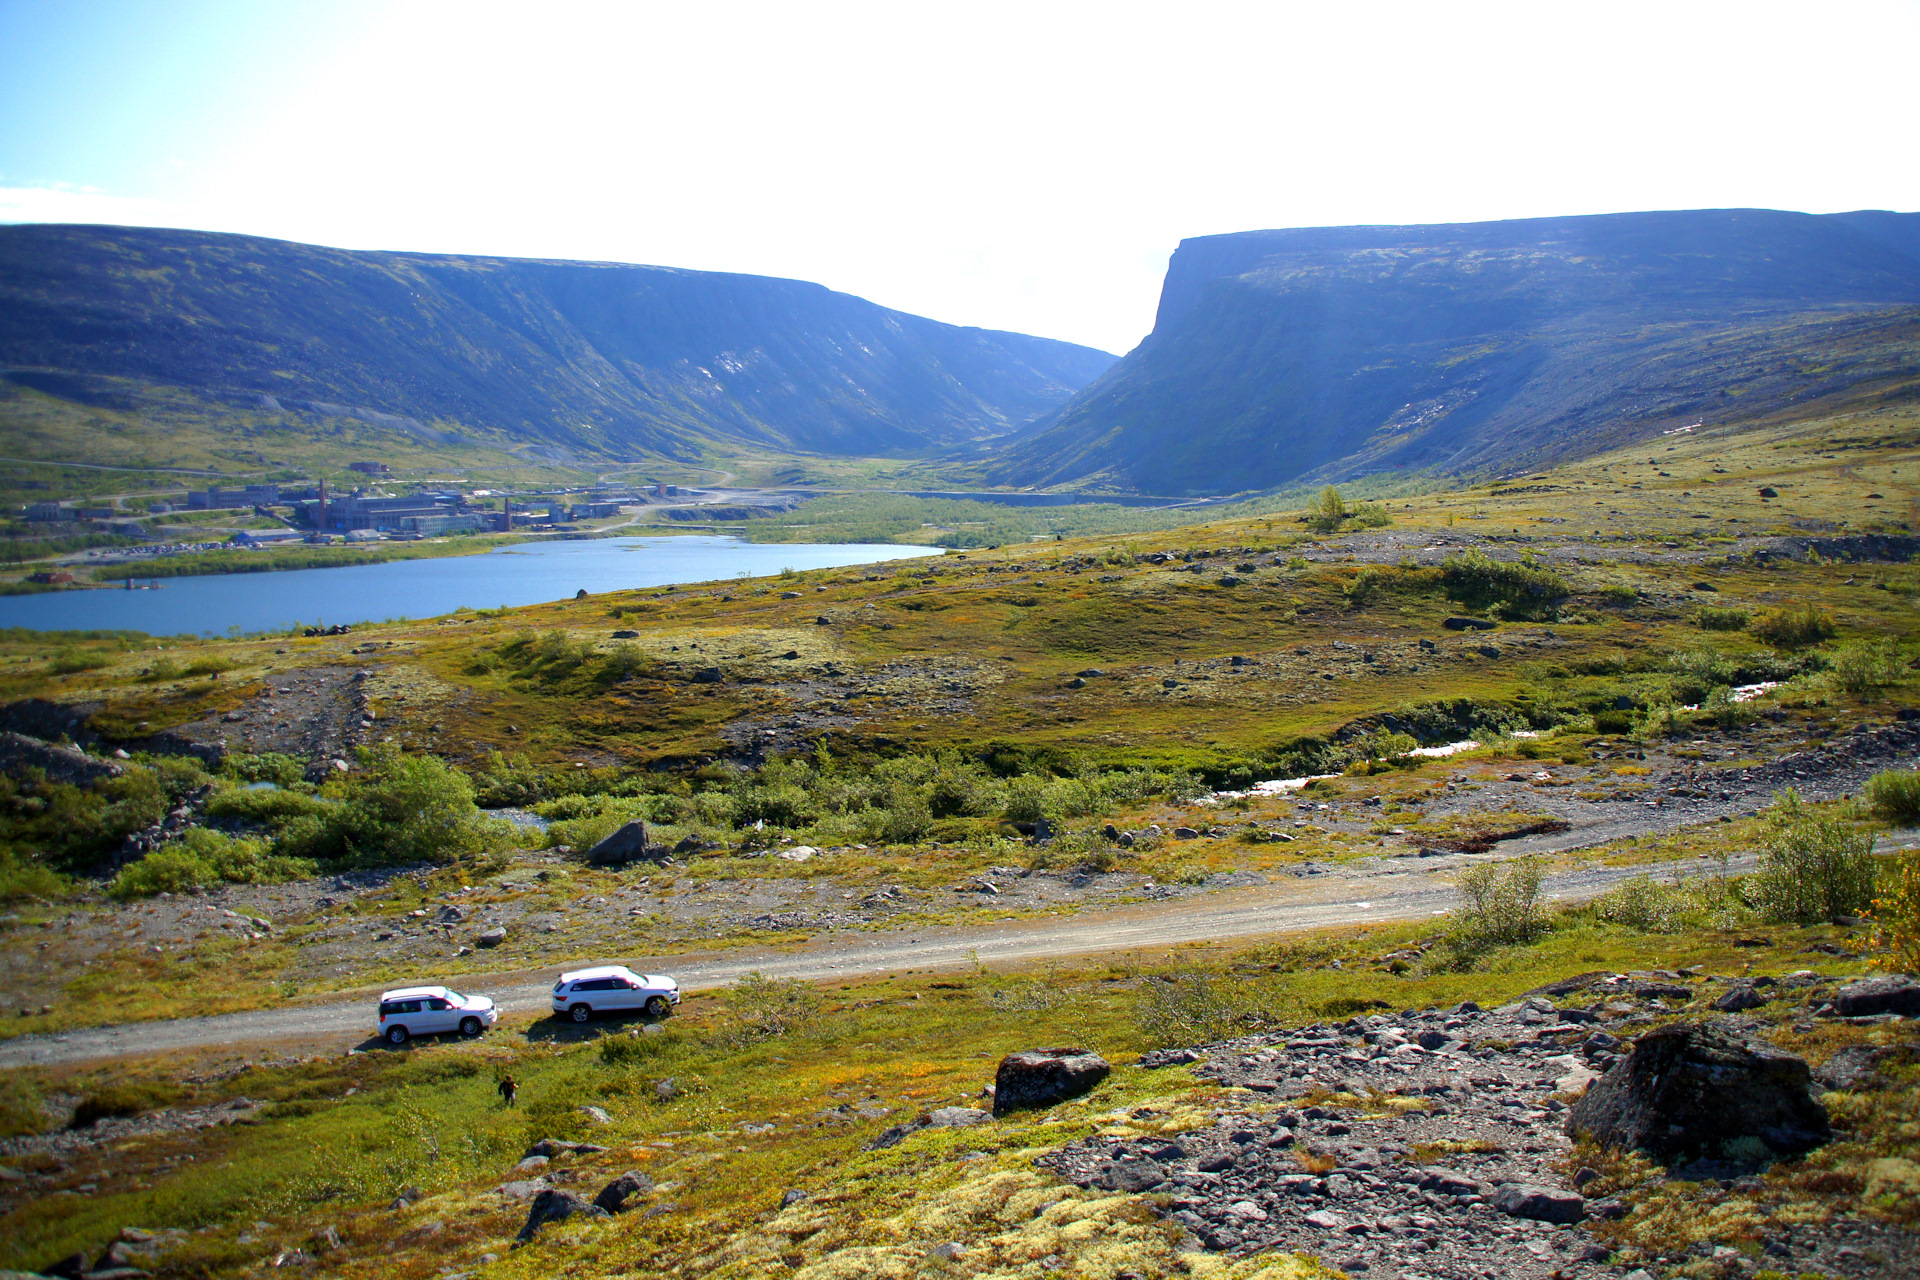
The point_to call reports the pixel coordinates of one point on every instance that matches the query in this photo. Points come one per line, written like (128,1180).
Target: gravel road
(1388,894)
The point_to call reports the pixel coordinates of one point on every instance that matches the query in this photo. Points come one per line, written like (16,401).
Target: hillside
(1281,355)
(590,358)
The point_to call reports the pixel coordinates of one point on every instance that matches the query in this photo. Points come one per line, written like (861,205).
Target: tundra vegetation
(1020,705)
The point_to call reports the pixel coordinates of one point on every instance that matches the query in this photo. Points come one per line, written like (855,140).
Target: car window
(436,1003)
(388,1007)
(456,998)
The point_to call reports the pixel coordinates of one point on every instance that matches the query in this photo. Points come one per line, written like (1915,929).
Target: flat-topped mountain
(1329,352)
(599,358)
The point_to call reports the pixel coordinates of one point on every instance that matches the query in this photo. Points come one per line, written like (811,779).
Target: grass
(756,1114)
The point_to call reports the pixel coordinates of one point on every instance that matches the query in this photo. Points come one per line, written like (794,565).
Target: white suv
(613,988)
(422,1011)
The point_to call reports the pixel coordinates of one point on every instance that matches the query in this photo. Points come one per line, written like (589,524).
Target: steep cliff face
(1282,355)
(604,358)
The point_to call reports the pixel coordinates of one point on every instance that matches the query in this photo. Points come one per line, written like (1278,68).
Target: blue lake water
(528,573)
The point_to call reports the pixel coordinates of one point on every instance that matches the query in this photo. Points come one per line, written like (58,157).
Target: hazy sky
(1022,166)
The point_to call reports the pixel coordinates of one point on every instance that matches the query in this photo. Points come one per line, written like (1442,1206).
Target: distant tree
(1329,512)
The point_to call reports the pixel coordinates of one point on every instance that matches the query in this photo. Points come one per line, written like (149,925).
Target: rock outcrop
(1693,1088)
(1042,1077)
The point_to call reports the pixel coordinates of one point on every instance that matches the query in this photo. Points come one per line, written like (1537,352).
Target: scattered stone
(1690,1088)
(957,1117)
(492,937)
(1042,1077)
(1739,998)
(792,1197)
(550,1147)
(553,1205)
(614,1196)
(666,1090)
(1543,1204)
(596,1114)
(1887,993)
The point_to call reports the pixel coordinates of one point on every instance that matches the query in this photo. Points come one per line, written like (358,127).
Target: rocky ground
(1435,1143)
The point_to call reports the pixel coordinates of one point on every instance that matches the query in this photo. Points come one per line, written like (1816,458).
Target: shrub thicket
(1793,628)
(1813,867)
(1895,795)
(1188,1007)
(1718,618)
(1521,590)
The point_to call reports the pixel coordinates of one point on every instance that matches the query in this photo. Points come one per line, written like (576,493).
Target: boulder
(628,844)
(1887,993)
(550,1147)
(614,1196)
(1857,1066)
(492,937)
(1739,997)
(1543,1204)
(1131,1176)
(1043,1077)
(1468,624)
(553,1205)
(1690,1088)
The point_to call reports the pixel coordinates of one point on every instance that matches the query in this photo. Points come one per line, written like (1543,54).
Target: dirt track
(1391,894)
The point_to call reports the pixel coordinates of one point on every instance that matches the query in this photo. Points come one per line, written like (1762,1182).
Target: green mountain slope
(600,359)
(1282,355)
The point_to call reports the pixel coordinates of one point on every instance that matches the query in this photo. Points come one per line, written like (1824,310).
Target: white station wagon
(425,1011)
(613,988)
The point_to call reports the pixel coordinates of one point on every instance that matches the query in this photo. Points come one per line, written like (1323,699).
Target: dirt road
(1397,892)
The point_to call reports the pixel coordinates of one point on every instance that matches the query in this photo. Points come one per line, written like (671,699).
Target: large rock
(614,1196)
(1888,993)
(1692,1088)
(628,844)
(1043,1077)
(1543,1204)
(556,1206)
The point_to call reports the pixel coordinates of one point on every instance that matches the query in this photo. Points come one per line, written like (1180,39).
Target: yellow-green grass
(430,1117)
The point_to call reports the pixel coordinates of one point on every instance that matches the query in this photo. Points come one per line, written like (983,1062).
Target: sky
(1026,166)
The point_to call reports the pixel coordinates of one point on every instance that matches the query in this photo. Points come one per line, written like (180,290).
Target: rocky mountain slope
(595,358)
(1285,355)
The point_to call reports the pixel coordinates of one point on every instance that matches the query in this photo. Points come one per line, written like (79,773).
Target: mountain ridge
(549,352)
(1284,355)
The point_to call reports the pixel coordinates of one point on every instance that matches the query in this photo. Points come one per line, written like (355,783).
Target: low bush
(1896,917)
(1793,628)
(1646,904)
(1521,590)
(201,858)
(760,1008)
(1613,721)
(1718,618)
(1866,666)
(1812,867)
(21,881)
(1501,902)
(121,1100)
(268,766)
(1895,796)
(1185,1008)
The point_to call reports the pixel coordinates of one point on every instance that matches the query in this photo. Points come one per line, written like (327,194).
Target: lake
(527,573)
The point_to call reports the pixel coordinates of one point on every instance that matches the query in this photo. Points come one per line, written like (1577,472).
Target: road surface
(1390,895)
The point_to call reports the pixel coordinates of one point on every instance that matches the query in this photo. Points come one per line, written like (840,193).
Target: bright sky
(1023,166)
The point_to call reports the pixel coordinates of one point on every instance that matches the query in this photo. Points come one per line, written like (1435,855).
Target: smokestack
(320,521)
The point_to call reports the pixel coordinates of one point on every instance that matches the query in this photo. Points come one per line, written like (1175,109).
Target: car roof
(410,993)
(599,971)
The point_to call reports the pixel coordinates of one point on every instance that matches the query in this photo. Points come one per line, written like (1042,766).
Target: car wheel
(657,1006)
(396,1035)
(580,1013)
(469,1027)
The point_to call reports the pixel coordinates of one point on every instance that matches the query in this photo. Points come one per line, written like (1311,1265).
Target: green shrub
(1185,1008)
(121,1100)
(1328,512)
(1644,903)
(21,881)
(1812,867)
(274,808)
(201,858)
(510,782)
(1793,628)
(1864,666)
(268,766)
(1613,721)
(1517,590)
(406,809)
(634,1050)
(1501,902)
(69,661)
(1895,796)
(760,1008)
(1717,618)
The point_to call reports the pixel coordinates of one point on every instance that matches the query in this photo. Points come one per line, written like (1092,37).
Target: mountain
(1314,353)
(600,358)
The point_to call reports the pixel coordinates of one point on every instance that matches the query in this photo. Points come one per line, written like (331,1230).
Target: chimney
(320,519)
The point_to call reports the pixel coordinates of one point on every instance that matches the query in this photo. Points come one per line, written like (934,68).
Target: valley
(1374,719)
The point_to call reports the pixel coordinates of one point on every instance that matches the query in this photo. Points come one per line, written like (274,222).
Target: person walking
(507,1090)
